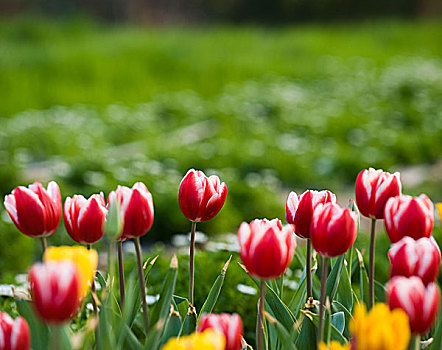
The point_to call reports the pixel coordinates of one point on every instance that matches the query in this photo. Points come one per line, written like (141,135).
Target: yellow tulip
(439,209)
(207,340)
(380,329)
(85,260)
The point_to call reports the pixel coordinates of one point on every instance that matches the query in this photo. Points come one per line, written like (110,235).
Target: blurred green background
(292,101)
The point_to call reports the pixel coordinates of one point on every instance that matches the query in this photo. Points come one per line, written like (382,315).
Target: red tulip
(299,209)
(201,197)
(420,303)
(333,229)
(55,290)
(14,334)
(373,189)
(34,210)
(84,219)
(266,247)
(229,325)
(419,258)
(409,216)
(137,209)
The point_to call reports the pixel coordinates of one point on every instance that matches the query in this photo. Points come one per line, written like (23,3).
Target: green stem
(192,262)
(324,267)
(142,283)
(121,273)
(44,244)
(371,265)
(94,304)
(260,336)
(415,342)
(308,269)
(55,338)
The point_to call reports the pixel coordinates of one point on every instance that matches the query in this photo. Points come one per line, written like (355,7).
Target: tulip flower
(229,325)
(333,232)
(137,213)
(334,345)
(409,216)
(299,213)
(55,290)
(85,260)
(419,258)
(420,303)
(373,189)
(14,334)
(200,198)
(35,211)
(266,249)
(84,219)
(207,340)
(381,328)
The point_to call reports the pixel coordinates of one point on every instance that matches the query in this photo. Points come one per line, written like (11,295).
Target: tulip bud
(373,189)
(419,258)
(14,334)
(55,290)
(201,197)
(35,211)
(299,209)
(409,216)
(84,219)
(266,247)
(420,303)
(136,210)
(229,325)
(333,229)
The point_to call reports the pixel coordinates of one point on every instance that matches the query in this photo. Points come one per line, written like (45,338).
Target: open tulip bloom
(35,211)
(299,213)
(373,189)
(200,198)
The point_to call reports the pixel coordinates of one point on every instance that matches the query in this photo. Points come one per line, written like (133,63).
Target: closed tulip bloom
(333,229)
(409,216)
(84,219)
(35,211)
(420,303)
(14,334)
(419,258)
(229,325)
(55,290)
(299,209)
(136,209)
(201,197)
(266,247)
(373,189)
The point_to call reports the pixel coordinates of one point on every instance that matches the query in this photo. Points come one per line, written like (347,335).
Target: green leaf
(130,340)
(189,323)
(213,295)
(299,298)
(338,320)
(154,335)
(39,330)
(437,336)
(286,337)
(307,336)
(345,289)
(173,327)
(162,307)
(379,292)
(363,278)
(334,333)
(334,277)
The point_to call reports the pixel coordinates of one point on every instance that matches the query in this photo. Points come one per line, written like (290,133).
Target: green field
(267,109)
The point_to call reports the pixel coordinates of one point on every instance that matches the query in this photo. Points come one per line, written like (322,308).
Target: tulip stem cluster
(142,283)
(192,261)
(44,244)
(324,267)
(121,273)
(260,336)
(371,265)
(308,269)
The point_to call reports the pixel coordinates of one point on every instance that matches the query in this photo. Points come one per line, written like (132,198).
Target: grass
(45,63)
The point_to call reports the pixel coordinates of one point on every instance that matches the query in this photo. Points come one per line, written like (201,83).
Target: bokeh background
(271,96)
